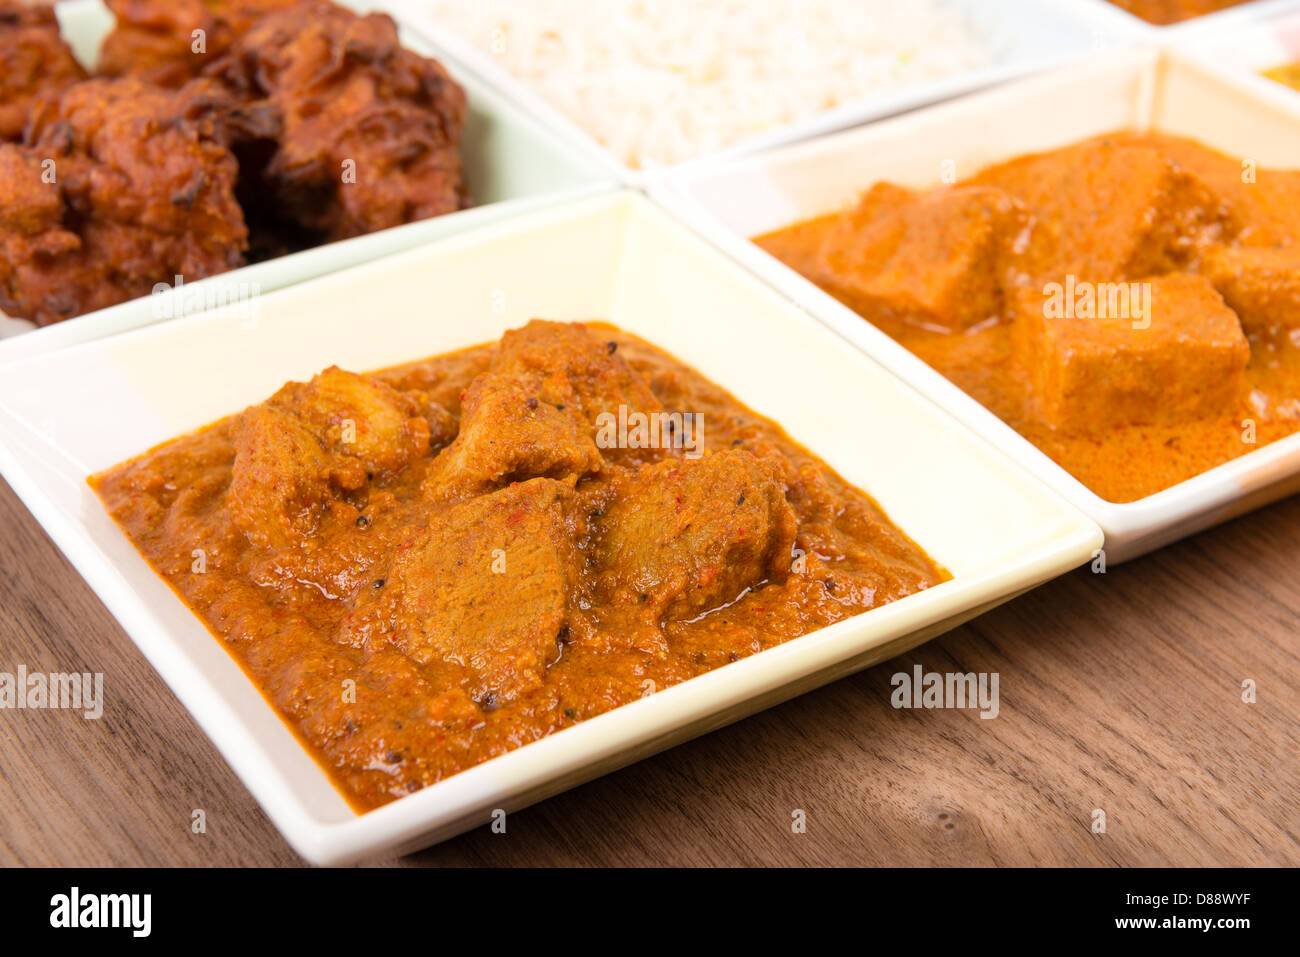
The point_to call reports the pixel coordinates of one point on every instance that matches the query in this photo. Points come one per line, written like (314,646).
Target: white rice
(661,81)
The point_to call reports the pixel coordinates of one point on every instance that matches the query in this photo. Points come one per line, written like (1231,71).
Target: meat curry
(1130,304)
(430,566)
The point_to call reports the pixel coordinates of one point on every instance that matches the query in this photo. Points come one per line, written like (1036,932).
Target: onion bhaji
(363,134)
(294,122)
(33,59)
(168,42)
(119,185)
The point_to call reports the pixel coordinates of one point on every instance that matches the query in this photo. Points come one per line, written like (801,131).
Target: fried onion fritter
(168,42)
(118,186)
(368,132)
(33,60)
(225,131)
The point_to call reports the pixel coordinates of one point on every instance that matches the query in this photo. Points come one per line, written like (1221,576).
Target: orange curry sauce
(1165,12)
(1287,74)
(428,567)
(961,276)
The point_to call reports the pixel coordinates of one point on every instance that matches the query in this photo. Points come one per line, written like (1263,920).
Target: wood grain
(1119,691)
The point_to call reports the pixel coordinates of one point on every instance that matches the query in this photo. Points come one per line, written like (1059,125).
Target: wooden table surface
(1120,692)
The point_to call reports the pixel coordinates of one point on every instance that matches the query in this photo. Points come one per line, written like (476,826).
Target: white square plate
(1027,35)
(512,163)
(1132,89)
(77,410)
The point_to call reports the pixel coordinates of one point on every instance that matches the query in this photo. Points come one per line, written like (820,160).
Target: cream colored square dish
(71,412)
(512,163)
(1136,89)
(1249,49)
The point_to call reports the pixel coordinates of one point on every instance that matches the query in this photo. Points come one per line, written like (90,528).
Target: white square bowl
(77,410)
(511,161)
(1250,48)
(1029,35)
(1141,89)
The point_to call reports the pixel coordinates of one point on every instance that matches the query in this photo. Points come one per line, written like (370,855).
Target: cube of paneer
(932,260)
(482,591)
(1112,210)
(1261,284)
(1266,204)
(1091,370)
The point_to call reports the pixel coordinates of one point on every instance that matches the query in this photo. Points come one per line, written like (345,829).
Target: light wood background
(1120,692)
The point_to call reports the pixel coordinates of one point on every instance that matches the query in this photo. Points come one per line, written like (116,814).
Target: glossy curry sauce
(1164,12)
(431,566)
(950,273)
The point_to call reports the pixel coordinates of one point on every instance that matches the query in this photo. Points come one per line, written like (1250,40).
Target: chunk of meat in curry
(683,537)
(430,566)
(445,603)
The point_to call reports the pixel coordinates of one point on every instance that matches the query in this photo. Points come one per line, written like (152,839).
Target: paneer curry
(1130,304)
(1287,74)
(1165,12)
(427,567)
